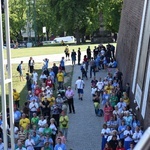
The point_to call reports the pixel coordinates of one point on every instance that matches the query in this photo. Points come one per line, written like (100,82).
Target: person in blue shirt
(17,116)
(45,65)
(62,65)
(36,139)
(21,71)
(60,146)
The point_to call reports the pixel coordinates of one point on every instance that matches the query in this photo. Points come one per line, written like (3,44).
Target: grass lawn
(20,86)
(36,51)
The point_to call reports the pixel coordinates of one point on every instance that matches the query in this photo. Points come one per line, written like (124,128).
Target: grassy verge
(20,86)
(37,51)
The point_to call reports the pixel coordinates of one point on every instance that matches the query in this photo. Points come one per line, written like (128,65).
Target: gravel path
(84,126)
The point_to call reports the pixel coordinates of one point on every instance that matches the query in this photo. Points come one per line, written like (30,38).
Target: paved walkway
(84,127)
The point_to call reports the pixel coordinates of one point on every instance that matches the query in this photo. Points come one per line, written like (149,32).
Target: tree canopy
(75,17)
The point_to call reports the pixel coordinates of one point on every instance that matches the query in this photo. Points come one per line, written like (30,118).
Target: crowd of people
(42,123)
(121,129)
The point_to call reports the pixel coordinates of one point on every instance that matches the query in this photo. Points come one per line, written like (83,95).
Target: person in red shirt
(37,91)
(49,82)
(85,60)
(107,147)
(120,146)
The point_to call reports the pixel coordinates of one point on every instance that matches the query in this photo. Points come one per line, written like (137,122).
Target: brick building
(133,54)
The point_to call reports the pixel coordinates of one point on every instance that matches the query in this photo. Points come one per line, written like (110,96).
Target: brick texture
(127,43)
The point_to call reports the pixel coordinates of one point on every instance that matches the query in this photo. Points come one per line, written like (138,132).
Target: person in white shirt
(43,77)
(31,65)
(93,90)
(79,85)
(33,106)
(1,144)
(128,132)
(102,52)
(100,86)
(54,130)
(105,132)
(29,143)
(121,105)
(41,124)
(34,76)
(137,134)
(113,132)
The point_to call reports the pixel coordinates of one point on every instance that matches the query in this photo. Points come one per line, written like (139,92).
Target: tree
(111,10)
(45,18)
(76,17)
(17,18)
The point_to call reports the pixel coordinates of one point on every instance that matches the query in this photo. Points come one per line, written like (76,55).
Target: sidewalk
(84,131)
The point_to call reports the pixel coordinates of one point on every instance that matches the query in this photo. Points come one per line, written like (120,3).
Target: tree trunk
(77,37)
(47,33)
(83,38)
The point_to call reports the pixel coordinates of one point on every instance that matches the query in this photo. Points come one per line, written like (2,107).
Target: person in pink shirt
(107,111)
(60,135)
(69,95)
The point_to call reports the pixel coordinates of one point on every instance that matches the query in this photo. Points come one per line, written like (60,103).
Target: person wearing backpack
(20,70)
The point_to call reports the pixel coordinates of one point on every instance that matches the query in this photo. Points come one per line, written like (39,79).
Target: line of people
(121,129)
(42,123)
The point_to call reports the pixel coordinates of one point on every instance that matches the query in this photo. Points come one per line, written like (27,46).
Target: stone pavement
(84,131)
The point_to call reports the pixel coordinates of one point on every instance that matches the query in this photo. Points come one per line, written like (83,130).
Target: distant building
(133,54)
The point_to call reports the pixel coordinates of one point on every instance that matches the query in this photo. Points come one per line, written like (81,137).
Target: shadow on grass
(22,88)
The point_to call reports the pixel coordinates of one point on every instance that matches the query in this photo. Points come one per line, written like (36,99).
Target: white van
(66,39)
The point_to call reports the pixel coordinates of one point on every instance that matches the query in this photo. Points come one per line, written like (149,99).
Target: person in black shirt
(79,56)
(88,51)
(113,142)
(31,65)
(55,69)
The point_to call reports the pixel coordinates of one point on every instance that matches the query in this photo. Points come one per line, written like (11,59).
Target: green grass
(20,86)
(37,51)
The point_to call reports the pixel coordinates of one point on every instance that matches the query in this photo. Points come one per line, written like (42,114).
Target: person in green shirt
(113,99)
(64,120)
(47,130)
(35,120)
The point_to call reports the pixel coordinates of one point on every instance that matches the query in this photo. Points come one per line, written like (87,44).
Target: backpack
(100,113)
(18,68)
(82,69)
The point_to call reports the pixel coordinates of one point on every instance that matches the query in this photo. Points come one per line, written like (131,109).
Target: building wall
(128,36)
(127,46)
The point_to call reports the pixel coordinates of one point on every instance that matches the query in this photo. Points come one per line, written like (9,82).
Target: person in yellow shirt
(24,121)
(16,98)
(108,88)
(51,99)
(126,99)
(60,78)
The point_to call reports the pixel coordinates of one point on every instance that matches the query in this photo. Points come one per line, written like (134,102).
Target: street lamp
(34,20)
(28,20)
(31,19)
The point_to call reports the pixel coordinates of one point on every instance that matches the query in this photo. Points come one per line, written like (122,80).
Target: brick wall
(128,38)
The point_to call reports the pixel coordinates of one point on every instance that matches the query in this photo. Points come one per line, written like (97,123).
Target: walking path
(84,131)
